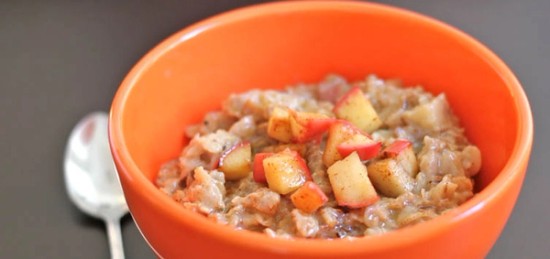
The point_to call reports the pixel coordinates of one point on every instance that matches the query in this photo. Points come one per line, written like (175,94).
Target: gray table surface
(60,60)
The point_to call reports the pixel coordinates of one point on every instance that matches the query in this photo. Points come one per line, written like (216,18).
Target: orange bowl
(276,44)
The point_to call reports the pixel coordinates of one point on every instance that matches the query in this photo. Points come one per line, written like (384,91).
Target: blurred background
(60,60)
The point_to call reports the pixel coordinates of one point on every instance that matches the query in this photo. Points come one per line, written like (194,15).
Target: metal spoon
(90,177)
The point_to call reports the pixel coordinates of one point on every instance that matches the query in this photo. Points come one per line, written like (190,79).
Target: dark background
(60,60)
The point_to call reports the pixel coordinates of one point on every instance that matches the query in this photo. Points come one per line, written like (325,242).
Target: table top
(60,60)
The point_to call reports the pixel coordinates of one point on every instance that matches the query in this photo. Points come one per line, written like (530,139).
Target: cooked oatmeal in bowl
(336,159)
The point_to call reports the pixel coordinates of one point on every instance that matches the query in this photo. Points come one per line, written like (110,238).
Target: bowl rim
(513,170)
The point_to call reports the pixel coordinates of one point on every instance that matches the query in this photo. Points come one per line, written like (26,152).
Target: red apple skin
(339,132)
(303,164)
(396,147)
(346,96)
(215,161)
(316,127)
(365,151)
(308,128)
(258,172)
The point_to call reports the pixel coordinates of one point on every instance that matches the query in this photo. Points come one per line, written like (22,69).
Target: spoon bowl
(91,179)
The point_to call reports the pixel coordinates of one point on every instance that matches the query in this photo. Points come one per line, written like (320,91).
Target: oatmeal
(328,160)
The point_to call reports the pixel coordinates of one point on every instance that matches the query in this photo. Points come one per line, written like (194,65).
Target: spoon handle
(115,238)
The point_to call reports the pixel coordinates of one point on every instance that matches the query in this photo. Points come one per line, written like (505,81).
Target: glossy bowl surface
(273,45)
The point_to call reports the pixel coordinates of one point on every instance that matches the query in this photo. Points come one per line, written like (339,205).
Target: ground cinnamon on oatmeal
(328,160)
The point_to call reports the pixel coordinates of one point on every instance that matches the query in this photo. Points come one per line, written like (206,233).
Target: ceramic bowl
(277,44)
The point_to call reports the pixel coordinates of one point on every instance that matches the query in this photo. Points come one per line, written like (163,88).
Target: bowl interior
(193,71)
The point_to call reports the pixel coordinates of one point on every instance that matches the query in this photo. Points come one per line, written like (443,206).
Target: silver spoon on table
(90,177)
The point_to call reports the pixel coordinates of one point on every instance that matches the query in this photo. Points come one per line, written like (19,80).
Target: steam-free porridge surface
(418,161)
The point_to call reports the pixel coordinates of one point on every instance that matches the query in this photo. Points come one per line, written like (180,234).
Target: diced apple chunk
(235,162)
(343,139)
(403,152)
(396,147)
(407,161)
(306,126)
(285,171)
(358,110)
(350,183)
(365,147)
(337,134)
(390,178)
(309,197)
(434,116)
(278,126)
